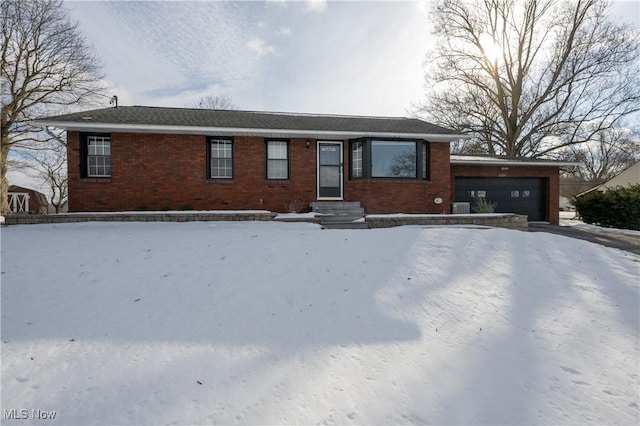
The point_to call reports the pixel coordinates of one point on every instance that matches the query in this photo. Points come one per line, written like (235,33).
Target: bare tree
(50,164)
(46,66)
(606,154)
(216,102)
(516,72)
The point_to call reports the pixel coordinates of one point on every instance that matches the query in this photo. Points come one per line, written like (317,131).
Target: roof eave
(498,162)
(240,131)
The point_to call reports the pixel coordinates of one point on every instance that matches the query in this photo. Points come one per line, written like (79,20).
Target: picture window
(393,158)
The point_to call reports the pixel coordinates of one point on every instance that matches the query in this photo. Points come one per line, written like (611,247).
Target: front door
(330,170)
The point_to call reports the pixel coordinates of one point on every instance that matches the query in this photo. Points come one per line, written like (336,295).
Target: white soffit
(227,131)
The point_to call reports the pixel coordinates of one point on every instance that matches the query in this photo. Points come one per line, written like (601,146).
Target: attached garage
(520,195)
(517,185)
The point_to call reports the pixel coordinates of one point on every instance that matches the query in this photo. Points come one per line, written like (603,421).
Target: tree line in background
(533,78)
(537,78)
(215,102)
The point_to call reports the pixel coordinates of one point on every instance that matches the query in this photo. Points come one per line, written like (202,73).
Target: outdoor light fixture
(308,143)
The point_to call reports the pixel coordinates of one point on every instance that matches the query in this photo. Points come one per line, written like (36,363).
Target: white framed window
(356,159)
(98,156)
(277,160)
(221,159)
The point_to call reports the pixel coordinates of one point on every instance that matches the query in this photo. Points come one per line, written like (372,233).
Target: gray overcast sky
(343,57)
(331,57)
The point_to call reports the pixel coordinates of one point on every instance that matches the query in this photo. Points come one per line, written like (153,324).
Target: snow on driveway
(275,323)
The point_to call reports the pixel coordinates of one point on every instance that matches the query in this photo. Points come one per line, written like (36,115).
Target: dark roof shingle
(141,116)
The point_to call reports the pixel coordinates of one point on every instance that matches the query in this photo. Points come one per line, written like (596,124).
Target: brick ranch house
(149,158)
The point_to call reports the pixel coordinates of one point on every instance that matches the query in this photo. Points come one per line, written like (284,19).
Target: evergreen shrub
(616,208)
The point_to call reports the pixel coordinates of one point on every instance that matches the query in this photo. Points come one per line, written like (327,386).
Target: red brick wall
(550,173)
(167,171)
(159,172)
(406,196)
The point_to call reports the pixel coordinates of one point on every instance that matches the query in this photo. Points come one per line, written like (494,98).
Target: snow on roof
(508,161)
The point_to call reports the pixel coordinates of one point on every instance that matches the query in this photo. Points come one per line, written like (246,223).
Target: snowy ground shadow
(240,292)
(514,348)
(208,325)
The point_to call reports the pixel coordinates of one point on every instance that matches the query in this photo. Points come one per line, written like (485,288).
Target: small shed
(27,201)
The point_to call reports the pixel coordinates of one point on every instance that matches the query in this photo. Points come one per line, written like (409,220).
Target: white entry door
(330,171)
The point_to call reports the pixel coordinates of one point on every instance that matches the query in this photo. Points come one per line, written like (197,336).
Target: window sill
(278,181)
(389,179)
(106,179)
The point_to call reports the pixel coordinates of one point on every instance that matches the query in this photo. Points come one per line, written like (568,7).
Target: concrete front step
(345,225)
(338,207)
(335,205)
(340,214)
(347,212)
(340,218)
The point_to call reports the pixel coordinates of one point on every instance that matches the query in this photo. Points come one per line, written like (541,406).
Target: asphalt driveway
(630,243)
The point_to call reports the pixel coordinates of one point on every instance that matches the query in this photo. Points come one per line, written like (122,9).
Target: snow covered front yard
(285,323)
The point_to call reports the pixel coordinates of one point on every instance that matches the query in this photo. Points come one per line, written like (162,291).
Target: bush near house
(484,206)
(616,208)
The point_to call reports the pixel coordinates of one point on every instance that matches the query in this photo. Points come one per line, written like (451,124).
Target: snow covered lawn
(285,323)
(570,219)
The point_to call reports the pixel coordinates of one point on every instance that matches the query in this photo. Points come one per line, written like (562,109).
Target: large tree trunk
(4,182)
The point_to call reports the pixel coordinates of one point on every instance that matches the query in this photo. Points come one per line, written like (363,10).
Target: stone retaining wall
(139,217)
(507,220)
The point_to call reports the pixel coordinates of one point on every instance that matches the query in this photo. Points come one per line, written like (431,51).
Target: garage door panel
(511,195)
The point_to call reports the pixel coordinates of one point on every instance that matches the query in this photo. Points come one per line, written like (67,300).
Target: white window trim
(287,159)
(89,174)
(211,157)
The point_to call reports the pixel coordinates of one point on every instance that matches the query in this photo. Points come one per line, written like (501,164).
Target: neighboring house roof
(487,160)
(629,176)
(247,123)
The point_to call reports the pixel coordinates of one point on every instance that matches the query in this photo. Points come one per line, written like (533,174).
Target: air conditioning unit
(460,208)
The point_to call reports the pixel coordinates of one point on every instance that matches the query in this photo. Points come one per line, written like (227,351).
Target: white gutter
(240,131)
(507,162)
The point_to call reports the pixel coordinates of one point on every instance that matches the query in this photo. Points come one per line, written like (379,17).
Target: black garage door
(512,195)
